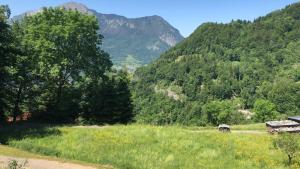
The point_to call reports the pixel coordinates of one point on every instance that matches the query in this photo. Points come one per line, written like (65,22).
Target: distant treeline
(52,66)
(223,69)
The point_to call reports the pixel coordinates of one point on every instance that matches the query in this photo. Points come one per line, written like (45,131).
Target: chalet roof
(296,119)
(283,123)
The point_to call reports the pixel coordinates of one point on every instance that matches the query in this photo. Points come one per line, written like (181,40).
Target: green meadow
(152,147)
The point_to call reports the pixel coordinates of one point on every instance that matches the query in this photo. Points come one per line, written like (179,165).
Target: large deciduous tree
(64,46)
(52,66)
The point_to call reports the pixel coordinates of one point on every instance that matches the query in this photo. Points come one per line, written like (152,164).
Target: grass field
(152,147)
(8,151)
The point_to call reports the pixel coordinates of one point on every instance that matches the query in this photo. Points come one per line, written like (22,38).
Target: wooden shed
(283,126)
(296,119)
(224,128)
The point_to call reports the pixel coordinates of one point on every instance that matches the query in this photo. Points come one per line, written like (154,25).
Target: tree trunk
(59,94)
(17,102)
(59,89)
(290,159)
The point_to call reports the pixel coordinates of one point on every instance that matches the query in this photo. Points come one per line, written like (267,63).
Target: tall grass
(154,147)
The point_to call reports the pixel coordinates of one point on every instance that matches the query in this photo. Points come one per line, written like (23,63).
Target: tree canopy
(60,73)
(7,57)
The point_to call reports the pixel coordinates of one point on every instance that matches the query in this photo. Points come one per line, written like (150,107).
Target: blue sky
(185,15)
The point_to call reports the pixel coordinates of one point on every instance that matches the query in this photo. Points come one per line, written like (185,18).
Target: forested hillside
(221,70)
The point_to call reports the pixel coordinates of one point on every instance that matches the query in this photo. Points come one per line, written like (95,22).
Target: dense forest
(225,73)
(52,66)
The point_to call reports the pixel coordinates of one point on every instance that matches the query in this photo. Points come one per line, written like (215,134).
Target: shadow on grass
(26,130)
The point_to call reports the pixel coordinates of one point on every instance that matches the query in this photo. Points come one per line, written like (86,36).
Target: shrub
(289,144)
(264,110)
(14,164)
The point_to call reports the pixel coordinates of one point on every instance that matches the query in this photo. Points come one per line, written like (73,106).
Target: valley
(80,89)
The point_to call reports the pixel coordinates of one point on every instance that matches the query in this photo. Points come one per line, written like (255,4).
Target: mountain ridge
(143,38)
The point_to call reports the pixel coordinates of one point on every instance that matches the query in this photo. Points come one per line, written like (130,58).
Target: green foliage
(285,93)
(218,62)
(107,102)
(57,71)
(21,75)
(218,112)
(6,56)
(264,110)
(65,48)
(289,144)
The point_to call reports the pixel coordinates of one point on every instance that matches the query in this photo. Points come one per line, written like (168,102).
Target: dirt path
(250,131)
(92,127)
(232,131)
(43,163)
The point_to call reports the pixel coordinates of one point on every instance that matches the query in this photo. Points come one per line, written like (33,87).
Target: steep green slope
(223,68)
(143,38)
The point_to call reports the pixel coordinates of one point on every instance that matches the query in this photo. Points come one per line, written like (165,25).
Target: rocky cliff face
(131,42)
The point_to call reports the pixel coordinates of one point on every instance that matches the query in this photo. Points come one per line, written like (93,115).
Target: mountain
(131,42)
(225,73)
